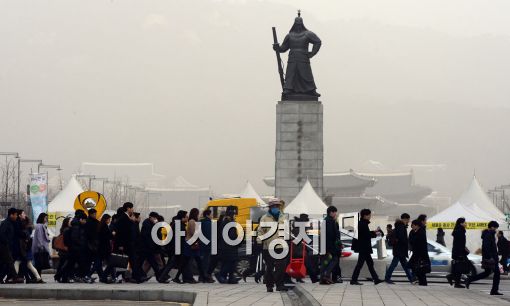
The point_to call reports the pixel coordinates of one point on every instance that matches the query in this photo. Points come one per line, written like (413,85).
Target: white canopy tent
(475,206)
(249,192)
(63,204)
(307,202)
(64,200)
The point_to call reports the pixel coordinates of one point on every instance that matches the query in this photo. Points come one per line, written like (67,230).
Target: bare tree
(8,179)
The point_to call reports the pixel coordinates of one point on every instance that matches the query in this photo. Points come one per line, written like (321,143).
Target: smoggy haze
(192,85)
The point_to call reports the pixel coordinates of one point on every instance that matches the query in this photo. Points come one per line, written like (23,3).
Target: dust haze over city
(191,86)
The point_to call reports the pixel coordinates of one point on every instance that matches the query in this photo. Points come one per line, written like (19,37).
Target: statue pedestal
(299,148)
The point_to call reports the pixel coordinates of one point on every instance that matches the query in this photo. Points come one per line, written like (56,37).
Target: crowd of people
(121,248)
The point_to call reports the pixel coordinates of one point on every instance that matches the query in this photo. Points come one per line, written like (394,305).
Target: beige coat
(263,230)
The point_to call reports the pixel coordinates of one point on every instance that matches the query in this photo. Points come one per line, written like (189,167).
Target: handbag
(58,244)
(296,267)
(355,245)
(118,260)
(488,263)
(461,266)
(42,260)
(421,265)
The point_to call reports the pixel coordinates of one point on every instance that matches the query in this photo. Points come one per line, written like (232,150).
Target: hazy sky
(192,85)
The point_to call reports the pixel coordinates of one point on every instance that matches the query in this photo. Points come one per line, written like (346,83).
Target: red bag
(296,267)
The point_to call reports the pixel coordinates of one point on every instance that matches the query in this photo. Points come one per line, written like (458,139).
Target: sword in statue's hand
(276,46)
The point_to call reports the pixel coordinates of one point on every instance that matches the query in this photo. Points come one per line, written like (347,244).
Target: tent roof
(476,194)
(307,202)
(473,204)
(64,200)
(249,192)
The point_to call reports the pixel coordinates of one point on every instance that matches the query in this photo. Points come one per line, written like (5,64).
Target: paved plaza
(251,293)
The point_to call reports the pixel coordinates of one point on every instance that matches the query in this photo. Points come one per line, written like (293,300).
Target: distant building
(386,194)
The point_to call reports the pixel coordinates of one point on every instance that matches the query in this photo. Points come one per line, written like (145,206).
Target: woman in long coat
(420,261)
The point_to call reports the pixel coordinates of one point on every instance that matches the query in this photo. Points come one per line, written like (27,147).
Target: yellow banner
(451,225)
(52,218)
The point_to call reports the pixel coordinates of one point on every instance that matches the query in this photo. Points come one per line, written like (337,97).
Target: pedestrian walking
(63,253)
(503,250)
(41,244)
(489,258)
(460,261)
(8,242)
(205,248)
(275,268)
(23,263)
(440,237)
(419,261)
(333,246)
(104,249)
(227,248)
(192,251)
(364,248)
(399,242)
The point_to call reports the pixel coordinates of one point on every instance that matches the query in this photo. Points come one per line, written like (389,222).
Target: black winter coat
(365,237)
(91,231)
(419,246)
(332,236)
(503,247)
(76,238)
(227,252)
(105,237)
(459,243)
(401,247)
(147,245)
(489,247)
(124,232)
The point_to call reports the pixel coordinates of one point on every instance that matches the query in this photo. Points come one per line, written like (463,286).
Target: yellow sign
(90,199)
(52,219)
(451,225)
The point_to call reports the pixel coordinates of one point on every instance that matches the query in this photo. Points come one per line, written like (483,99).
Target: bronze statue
(298,83)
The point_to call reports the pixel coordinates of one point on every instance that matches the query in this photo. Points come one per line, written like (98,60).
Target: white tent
(476,194)
(475,206)
(64,200)
(307,202)
(63,205)
(249,192)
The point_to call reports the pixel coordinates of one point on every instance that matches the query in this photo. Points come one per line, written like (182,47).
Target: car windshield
(438,246)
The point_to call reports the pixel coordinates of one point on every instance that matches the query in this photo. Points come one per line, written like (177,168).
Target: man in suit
(365,248)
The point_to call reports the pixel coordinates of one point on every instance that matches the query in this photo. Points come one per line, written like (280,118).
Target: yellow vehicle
(245,209)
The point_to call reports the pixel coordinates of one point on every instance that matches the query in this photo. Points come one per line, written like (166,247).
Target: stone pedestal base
(299,148)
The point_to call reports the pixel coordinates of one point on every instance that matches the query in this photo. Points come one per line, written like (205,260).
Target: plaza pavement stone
(401,294)
(251,293)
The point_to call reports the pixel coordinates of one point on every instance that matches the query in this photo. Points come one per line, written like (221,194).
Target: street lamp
(20,160)
(104,179)
(41,165)
(16,155)
(89,176)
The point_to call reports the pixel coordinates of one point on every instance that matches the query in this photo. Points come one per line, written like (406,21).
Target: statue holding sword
(298,82)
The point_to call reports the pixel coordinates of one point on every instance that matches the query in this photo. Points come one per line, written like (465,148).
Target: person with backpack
(399,242)
(364,248)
